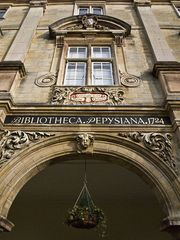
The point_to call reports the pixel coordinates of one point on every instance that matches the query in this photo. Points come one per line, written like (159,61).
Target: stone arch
(36,157)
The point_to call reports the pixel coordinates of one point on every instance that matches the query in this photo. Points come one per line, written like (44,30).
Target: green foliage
(87,218)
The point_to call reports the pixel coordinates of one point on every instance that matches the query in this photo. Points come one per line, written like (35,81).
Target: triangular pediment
(89,22)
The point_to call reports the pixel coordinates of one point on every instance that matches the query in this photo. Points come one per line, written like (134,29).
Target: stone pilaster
(10,71)
(157,41)
(22,41)
(10,75)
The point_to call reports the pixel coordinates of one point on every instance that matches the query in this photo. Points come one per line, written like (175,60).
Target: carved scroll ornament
(11,142)
(84,142)
(159,144)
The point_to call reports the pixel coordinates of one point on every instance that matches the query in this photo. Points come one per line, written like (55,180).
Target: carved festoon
(84,142)
(87,95)
(158,143)
(11,142)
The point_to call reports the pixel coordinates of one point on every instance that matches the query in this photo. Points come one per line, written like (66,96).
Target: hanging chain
(85,172)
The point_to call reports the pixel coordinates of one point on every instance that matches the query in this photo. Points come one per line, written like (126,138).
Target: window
(2,12)
(178,10)
(176,6)
(90,65)
(90,9)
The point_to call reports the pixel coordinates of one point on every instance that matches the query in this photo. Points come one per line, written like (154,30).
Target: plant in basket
(85,214)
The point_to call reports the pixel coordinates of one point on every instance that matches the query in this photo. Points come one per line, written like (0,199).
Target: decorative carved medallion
(46,80)
(88,21)
(84,142)
(87,95)
(159,143)
(129,80)
(13,141)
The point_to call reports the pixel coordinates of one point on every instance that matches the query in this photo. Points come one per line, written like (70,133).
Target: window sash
(75,74)
(102,73)
(97,10)
(101,52)
(90,9)
(77,52)
(84,10)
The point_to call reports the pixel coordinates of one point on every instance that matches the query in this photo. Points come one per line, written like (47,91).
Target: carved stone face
(84,140)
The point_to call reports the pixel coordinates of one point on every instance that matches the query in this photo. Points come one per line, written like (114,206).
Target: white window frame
(89,61)
(112,77)
(90,5)
(65,77)
(78,47)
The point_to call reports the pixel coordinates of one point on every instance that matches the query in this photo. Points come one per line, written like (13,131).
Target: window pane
(102,73)
(101,52)
(106,53)
(83,10)
(75,73)
(97,10)
(77,52)
(2,12)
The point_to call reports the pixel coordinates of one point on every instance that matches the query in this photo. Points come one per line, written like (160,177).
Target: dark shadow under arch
(40,207)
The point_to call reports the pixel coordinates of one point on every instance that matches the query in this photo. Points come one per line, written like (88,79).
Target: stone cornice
(13,66)
(38,3)
(142,3)
(165,67)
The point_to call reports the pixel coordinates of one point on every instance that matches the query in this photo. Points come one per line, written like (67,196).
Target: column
(159,46)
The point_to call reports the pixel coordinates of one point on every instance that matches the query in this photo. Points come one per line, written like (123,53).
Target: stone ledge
(38,3)
(13,66)
(165,67)
(5,225)
(142,3)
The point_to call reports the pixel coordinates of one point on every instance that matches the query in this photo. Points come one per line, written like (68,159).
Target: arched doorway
(41,206)
(57,149)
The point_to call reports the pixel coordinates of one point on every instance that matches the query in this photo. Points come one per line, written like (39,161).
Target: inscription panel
(95,120)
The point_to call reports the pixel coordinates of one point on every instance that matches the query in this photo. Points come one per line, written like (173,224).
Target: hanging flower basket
(83,217)
(85,214)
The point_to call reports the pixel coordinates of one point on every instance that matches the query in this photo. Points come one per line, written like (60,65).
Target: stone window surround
(88,4)
(64,59)
(176,5)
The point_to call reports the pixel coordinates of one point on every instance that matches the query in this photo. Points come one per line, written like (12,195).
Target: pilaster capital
(5,225)
(142,3)
(38,3)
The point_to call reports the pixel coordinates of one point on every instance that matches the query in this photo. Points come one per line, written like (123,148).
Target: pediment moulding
(89,23)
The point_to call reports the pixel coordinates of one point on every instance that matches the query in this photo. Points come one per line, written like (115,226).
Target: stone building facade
(91,79)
